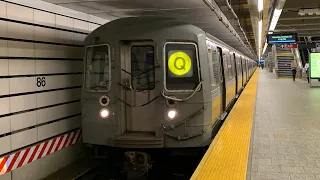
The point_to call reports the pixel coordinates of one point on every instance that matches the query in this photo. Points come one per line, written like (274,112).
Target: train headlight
(104,113)
(171,114)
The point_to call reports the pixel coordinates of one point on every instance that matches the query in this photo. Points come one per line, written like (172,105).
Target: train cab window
(142,68)
(181,61)
(97,68)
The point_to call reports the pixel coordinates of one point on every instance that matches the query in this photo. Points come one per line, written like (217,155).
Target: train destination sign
(282,38)
(315,65)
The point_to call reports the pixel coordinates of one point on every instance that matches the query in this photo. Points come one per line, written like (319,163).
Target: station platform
(272,132)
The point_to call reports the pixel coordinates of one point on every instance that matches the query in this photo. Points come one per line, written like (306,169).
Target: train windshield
(181,66)
(97,68)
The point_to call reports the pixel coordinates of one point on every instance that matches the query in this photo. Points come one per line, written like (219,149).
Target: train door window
(216,65)
(182,66)
(234,64)
(97,68)
(211,67)
(225,65)
(142,67)
(230,72)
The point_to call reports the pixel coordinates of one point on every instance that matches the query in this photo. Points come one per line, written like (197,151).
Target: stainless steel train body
(153,82)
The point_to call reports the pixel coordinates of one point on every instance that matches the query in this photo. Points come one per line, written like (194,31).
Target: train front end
(143,88)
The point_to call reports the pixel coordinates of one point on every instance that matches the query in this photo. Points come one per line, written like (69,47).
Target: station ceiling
(195,12)
(305,25)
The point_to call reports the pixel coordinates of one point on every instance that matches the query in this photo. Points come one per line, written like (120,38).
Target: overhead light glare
(265,47)
(259,36)
(260,5)
(275,18)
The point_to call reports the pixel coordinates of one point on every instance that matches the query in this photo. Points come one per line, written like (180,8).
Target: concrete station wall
(41,51)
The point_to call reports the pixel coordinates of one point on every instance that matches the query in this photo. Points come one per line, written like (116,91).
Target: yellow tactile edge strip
(227,156)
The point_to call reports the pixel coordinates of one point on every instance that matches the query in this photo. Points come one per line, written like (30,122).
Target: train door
(215,77)
(138,71)
(222,79)
(229,78)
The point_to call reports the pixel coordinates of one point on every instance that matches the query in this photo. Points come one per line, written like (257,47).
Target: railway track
(173,168)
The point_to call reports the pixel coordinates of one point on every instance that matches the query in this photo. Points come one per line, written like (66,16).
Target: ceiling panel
(192,11)
(291,21)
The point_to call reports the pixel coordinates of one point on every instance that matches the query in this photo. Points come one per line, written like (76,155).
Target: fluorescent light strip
(260,34)
(275,18)
(260,5)
(265,47)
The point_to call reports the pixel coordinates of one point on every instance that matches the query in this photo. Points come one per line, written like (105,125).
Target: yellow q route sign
(179,63)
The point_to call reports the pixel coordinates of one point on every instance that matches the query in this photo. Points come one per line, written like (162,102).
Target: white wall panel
(80,26)
(23,138)
(24,102)
(64,37)
(46,50)
(21,67)
(4,125)
(44,34)
(59,127)
(5,144)
(29,84)
(4,86)
(59,9)
(23,120)
(52,113)
(78,39)
(64,22)
(69,124)
(3,28)
(21,90)
(21,49)
(93,26)
(48,130)
(60,81)
(56,97)
(77,52)
(19,13)
(22,84)
(56,66)
(69,52)
(3,9)
(20,31)
(4,106)
(4,48)
(44,18)
(4,67)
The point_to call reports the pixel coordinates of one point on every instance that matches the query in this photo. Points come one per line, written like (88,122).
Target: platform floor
(280,119)
(228,155)
(286,133)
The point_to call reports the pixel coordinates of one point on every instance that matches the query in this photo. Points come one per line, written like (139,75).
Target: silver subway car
(155,82)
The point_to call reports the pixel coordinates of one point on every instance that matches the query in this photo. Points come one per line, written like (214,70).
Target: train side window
(142,67)
(181,66)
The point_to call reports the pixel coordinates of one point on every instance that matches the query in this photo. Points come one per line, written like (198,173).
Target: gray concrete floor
(286,136)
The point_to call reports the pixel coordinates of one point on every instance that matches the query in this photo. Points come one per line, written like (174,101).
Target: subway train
(157,83)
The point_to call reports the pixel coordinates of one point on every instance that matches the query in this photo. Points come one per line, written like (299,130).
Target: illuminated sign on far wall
(314,65)
(282,38)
